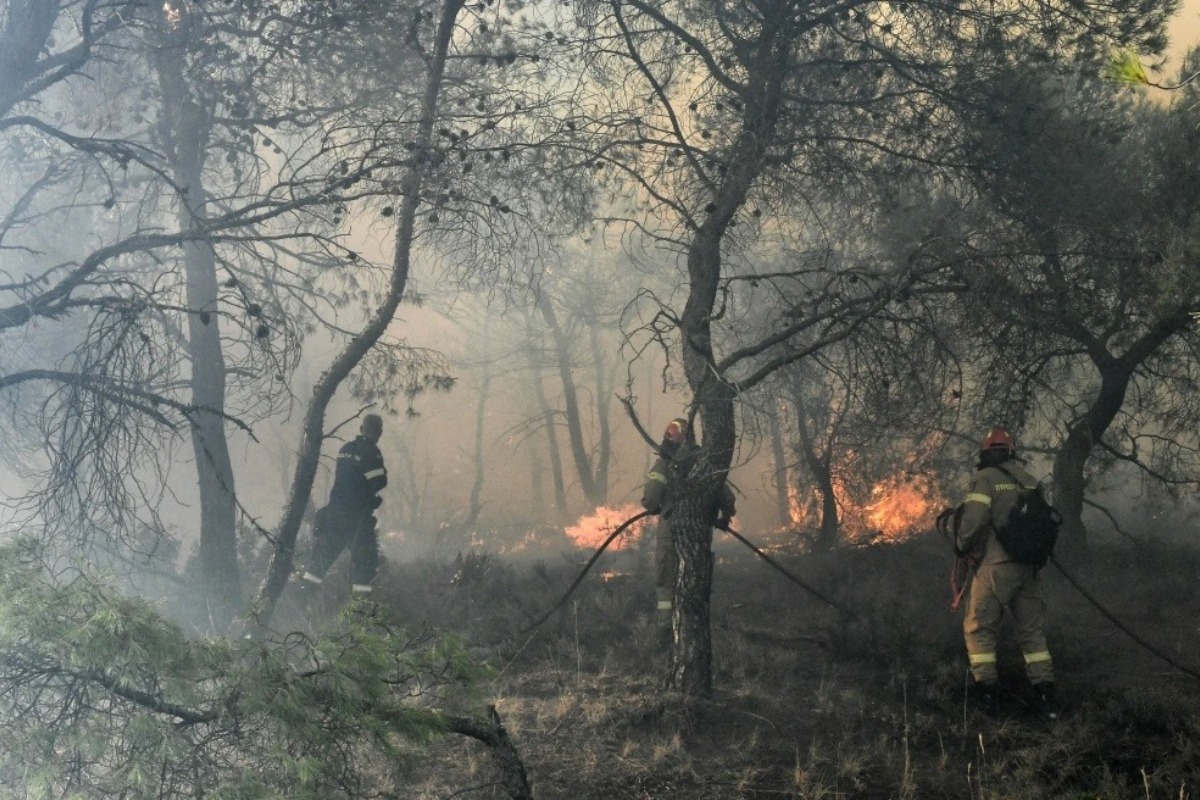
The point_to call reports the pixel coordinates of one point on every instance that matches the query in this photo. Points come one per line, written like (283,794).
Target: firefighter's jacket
(358,477)
(658,497)
(988,502)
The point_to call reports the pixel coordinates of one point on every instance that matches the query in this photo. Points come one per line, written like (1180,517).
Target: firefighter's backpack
(1031,530)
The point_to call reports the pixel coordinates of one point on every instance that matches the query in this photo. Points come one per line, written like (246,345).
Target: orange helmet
(676,430)
(998,439)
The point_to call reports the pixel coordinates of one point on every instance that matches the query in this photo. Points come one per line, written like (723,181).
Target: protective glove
(376,502)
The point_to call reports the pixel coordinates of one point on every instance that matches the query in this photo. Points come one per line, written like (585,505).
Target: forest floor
(864,701)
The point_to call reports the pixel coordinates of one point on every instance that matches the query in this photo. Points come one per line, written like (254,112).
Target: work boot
(1045,699)
(985,696)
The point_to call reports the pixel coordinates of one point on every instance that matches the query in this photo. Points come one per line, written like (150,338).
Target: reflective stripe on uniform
(664,605)
(657,476)
(976,497)
(360,588)
(375,473)
(1033,658)
(982,658)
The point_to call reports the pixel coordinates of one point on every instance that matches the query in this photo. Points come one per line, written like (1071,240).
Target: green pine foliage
(100,696)
(1124,66)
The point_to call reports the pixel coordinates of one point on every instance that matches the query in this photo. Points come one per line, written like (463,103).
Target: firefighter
(348,519)
(657,498)
(1000,582)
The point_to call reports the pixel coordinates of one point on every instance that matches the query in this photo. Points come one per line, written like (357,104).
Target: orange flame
(894,508)
(591,530)
(901,505)
(797,505)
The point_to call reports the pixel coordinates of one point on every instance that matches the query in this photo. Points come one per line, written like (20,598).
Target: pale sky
(1184,33)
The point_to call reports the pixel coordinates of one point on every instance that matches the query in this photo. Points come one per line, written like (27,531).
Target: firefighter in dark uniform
(1000,582)
(348,519)
(657,499)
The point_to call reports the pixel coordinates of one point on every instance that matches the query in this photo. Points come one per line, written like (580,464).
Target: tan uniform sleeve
(977,513)
(656,487)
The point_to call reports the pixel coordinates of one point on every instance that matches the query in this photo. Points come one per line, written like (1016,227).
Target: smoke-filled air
(599,399)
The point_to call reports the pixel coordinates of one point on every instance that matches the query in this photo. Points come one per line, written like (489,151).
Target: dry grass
(811,702)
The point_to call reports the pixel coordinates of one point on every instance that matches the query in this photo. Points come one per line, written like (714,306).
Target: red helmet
(998,439)
(676,430)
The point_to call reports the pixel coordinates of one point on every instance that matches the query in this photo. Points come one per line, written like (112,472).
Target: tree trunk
(712,397)
(819,466)
(562,352)
(313,433)
(691,526)
(537,487)
(23,40)
(556,470)
(691,522)
(1070,461)
(412,487)
(691,668)
(477,487)
(603,403)
(783,505)
(185,127)
(831,523)
(476,506)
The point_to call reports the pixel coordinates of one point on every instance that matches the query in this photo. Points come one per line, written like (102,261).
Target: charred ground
(866,700)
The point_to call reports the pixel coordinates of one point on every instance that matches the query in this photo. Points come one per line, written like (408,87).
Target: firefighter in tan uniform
(657,499)
(1000,582)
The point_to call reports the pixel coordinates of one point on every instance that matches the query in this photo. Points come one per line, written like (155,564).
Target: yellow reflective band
(982,658)
(375,473)
(657,476)
(1007,487)
(976,497)
(1033,658)
(664,605)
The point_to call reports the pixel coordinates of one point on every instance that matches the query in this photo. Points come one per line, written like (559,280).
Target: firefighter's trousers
(336,529)
(1018,588)
(666,562)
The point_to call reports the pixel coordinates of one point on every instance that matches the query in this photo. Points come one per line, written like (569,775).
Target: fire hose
(964,568)
(959,590)
(1121,626)
(583,574)
(784,571)
(624,526)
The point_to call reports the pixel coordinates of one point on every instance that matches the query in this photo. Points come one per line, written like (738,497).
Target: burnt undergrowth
(865,700)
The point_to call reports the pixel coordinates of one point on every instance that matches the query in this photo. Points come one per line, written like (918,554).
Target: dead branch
(493,735)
